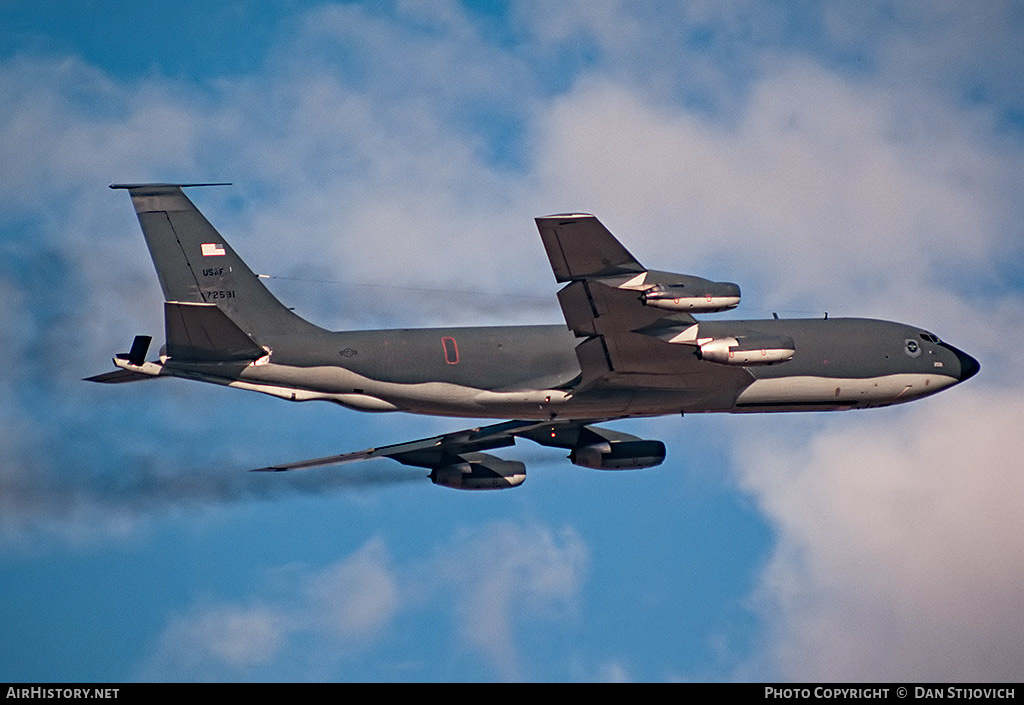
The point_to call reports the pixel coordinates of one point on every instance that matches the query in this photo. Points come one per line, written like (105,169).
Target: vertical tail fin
(196,265)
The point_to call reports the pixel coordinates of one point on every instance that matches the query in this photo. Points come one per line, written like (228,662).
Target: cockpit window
(929,337)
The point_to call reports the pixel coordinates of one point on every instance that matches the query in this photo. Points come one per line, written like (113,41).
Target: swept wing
(456,459)
(635,325)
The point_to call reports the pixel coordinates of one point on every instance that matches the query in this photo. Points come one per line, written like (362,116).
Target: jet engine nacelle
(705,297)
(619,455)
(479,471)
(747,351)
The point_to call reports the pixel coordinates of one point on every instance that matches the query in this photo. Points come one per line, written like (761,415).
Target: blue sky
(387,159)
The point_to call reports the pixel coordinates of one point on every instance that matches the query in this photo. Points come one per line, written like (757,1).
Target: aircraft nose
(968,365)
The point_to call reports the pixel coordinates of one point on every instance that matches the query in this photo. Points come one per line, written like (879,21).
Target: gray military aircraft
(631,348)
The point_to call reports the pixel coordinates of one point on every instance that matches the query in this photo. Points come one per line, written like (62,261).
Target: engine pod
(705,297)
(619,455)
(479,471)
(748,351)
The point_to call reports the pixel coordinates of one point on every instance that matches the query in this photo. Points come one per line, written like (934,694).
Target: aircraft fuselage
(528,372)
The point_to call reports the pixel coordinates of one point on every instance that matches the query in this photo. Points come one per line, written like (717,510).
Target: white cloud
(613,673)
(356,597)
(898,554)
(341,609)
(818,184)
(69,127)
(487,581)
(238,637)
(504,574)
(218,642)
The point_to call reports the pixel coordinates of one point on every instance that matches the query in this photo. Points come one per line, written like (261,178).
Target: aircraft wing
(455,459)
(426,452)
(579,246)
(626,340)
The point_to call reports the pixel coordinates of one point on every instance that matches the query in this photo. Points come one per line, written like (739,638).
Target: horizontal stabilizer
(204,333)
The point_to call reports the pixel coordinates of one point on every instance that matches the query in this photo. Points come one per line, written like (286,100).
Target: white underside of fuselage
(436,398)
(808,390)
(341,386)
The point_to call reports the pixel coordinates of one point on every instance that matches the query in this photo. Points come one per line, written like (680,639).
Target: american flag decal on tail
(212,249)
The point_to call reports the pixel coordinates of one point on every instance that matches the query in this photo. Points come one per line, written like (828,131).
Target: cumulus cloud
(508,574)
(898,555)
(490,579)
(357,595)
(816,180)
(236,637)
(341,607)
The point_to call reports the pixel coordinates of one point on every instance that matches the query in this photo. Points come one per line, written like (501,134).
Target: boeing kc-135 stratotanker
(631,347)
